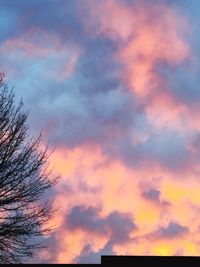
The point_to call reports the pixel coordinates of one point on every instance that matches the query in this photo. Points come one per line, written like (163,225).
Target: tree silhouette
(24,178)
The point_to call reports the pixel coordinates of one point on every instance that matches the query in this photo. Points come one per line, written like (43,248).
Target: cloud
(116,225)
(86,219)
(121,225)
(152,194)
(114,86)
(172,230)
(58,19)
(87,256)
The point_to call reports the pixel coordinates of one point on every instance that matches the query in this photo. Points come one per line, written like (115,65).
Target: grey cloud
(117,225)
(89,256)
(167,148)
(152,194)
(86,219)
(172,230)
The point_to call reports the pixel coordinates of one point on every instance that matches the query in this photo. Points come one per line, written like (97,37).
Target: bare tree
(24,178)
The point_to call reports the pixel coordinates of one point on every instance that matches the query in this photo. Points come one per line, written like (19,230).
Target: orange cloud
(112,186)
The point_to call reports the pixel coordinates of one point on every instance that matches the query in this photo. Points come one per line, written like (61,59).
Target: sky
(114,87)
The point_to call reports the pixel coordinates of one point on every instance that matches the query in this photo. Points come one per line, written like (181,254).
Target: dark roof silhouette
(155,261)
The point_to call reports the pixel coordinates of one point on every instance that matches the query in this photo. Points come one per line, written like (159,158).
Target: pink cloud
(38,49)
(147,35)
(112,186)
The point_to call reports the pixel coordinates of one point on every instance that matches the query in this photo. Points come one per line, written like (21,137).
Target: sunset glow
(114,87)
